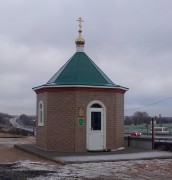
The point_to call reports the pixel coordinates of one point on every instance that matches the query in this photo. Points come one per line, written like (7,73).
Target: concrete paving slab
(125,154)
(114,157)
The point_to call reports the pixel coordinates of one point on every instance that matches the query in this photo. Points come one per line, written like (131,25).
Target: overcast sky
(130,40)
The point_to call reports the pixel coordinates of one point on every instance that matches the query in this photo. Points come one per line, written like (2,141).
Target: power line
(149,104)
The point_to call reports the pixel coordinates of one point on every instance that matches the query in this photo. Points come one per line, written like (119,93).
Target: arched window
(41,114)
(96,105)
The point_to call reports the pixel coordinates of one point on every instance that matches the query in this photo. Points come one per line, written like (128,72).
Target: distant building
(80,109)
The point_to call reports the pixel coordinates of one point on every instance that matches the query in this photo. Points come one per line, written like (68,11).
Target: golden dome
(80,40)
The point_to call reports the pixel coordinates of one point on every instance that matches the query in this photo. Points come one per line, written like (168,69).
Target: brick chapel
(80,109)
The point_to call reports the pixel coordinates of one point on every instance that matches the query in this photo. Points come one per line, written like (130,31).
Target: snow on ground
(31,165)
(116,170)
(140,169)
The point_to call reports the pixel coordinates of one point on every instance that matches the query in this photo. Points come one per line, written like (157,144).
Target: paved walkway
(125,154)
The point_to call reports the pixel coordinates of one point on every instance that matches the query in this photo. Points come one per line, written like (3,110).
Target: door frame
(104,122)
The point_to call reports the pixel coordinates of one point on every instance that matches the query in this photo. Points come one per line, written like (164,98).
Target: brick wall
(62,132)
(61,117)
(41,132)
(119,116)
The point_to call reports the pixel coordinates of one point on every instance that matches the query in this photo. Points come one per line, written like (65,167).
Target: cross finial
(80,25)
(80,40)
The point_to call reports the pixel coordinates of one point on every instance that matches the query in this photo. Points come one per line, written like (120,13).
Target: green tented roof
(80,70)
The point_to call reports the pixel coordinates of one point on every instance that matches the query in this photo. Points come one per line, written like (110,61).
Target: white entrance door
(95,129)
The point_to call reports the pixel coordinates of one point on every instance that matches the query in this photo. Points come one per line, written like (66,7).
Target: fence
(145,129)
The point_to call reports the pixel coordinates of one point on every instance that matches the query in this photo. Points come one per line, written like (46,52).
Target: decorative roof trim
(85,86)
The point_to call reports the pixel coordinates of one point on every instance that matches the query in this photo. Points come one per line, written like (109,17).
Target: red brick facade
(61,131)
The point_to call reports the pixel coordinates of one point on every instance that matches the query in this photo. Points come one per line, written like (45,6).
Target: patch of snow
(121,148)
(30,165)
(139,169)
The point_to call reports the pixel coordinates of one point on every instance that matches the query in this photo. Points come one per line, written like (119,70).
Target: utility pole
(152,133)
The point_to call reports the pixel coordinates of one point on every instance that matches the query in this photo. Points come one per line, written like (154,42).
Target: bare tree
(141,117)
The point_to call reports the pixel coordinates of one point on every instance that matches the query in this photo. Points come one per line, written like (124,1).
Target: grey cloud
(129,40)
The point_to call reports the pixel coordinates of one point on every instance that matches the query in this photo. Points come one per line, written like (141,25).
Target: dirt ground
(11,154)
(18,165)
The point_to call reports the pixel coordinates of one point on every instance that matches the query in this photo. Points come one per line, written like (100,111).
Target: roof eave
(86,86)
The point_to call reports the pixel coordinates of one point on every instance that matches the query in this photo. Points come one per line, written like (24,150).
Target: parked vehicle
(136,133)
(160,130)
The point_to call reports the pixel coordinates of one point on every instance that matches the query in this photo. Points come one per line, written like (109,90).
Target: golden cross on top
(80,26)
